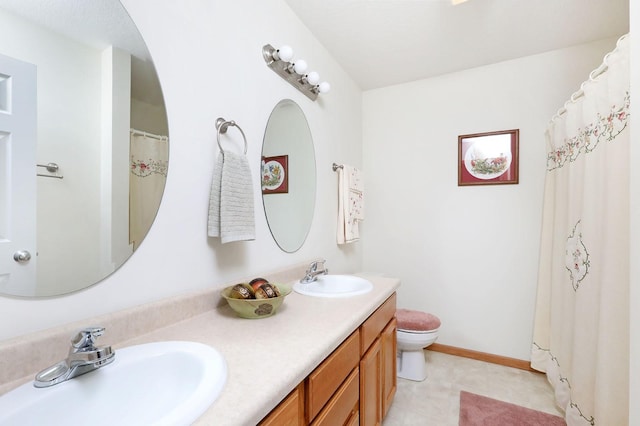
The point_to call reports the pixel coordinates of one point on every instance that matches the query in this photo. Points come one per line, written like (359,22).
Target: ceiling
(100,24)
(385,42)
(97,23)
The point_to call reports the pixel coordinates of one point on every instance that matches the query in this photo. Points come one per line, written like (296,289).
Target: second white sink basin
(334,286)
(163,383)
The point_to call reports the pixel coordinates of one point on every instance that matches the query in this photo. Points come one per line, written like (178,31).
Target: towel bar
(336,167)
(222,125)
(51,167)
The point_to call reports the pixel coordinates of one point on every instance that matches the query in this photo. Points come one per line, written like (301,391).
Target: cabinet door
(371,386)
(373,326)
(290,412)
(389,376)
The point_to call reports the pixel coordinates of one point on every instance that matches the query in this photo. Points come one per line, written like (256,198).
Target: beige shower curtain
(149,158)
(581,331)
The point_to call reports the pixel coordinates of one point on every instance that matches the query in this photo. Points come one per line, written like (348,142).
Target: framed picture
(275,174)
(488,158)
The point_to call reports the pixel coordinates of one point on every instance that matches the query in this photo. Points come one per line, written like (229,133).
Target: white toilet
(416,331)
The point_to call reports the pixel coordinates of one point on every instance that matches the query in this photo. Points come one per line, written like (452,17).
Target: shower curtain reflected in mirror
(581,330)
(149,159)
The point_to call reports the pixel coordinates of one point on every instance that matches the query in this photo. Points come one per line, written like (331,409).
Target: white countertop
(267,358)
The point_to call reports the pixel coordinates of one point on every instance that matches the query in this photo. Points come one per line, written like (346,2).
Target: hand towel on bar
(213,226)
(350,204)
(231,215)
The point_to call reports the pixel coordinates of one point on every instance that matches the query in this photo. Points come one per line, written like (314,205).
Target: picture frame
(275,174)
(490,158)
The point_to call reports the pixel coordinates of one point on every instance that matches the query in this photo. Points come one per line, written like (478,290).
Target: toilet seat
(418,331)
(416,321)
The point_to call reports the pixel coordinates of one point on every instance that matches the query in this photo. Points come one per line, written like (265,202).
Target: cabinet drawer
(290,412)
(342,409)
(378,320)
(327,378)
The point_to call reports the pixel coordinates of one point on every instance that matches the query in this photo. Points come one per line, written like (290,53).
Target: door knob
(22,256)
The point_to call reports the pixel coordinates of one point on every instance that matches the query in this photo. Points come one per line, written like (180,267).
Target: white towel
(350,204)
(231,215)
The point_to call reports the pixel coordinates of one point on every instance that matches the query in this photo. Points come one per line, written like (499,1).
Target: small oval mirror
(288,178)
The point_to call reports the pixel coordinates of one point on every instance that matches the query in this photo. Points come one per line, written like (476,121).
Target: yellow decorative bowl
(257,308)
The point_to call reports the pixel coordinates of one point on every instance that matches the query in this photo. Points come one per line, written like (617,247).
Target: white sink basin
(334,286)
(163,383)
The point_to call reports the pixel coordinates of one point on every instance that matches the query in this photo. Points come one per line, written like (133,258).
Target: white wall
(68,78)
(208,57)
(148,117)
(114,159)
(466,254)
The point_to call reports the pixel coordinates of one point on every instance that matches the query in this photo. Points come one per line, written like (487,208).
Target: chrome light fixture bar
(294,72)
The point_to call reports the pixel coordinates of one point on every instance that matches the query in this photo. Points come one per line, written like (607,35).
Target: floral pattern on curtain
(149,163)
(581,325)
(605,128)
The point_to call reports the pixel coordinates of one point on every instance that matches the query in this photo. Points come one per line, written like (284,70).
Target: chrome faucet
(83,357)
(315,268)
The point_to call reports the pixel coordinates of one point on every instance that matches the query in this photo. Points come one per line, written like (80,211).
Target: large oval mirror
(288,175)
(83,144)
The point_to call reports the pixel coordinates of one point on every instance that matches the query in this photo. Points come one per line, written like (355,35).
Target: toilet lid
(416,321)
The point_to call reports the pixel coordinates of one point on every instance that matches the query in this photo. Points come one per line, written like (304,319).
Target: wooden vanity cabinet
(355,385)
(329,396)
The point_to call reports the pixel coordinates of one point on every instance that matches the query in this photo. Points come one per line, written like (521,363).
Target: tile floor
(436,401)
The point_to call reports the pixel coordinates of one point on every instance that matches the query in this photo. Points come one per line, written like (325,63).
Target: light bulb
(284,53)
(313,78)
(300,66)
(324,87)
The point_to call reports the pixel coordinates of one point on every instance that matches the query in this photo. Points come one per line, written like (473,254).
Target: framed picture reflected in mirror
(275,174)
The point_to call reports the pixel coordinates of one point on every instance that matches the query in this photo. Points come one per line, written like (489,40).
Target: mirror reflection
(80,91)
(288,175)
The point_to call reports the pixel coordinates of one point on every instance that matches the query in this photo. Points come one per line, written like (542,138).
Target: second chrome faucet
(315,268)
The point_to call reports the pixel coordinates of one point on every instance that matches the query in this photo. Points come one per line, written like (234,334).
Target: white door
(18,121)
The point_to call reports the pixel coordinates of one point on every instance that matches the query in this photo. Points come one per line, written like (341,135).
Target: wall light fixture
(294,71)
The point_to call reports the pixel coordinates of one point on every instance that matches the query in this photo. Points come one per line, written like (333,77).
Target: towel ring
(222,125)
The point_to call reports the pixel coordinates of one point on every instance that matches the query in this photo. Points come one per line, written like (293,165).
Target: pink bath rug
(478,410)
